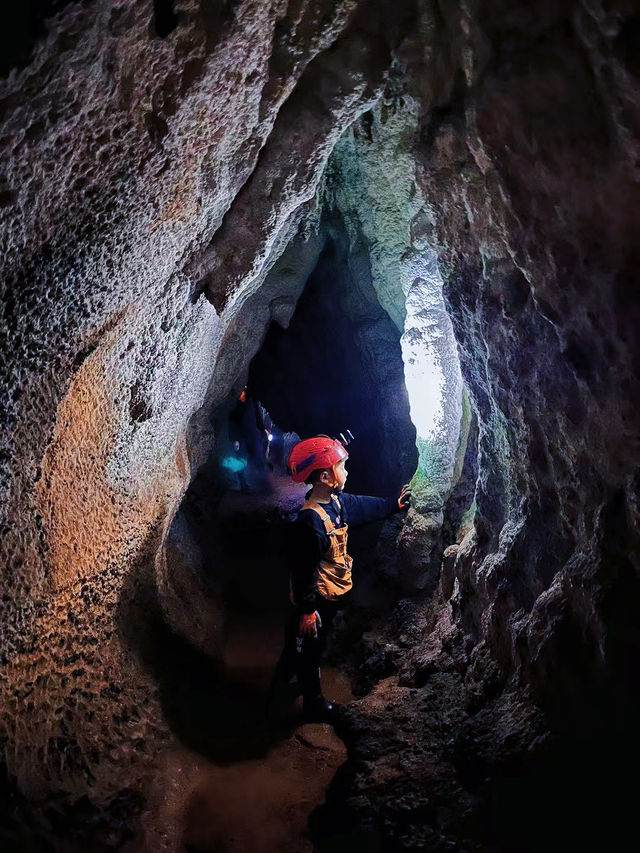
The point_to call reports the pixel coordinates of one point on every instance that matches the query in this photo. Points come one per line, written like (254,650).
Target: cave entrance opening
(434,382)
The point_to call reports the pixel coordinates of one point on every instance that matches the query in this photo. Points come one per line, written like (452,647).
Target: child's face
(341,473)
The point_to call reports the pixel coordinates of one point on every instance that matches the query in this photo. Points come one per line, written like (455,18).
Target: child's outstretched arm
(361,508)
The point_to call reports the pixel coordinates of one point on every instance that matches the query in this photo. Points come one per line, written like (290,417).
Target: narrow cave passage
(337,364)
(179,175)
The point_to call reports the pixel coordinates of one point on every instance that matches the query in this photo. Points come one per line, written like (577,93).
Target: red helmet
(313,453)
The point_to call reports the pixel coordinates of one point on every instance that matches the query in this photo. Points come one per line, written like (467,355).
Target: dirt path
(256,805)
(248,784)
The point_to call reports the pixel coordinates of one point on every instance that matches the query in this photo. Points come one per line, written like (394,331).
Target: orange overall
(321,580)
(334,570)
(333,580)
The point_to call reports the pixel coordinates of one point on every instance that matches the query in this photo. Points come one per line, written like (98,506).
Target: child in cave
(321,567)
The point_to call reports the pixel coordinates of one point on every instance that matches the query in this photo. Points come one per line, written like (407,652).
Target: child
(321,568)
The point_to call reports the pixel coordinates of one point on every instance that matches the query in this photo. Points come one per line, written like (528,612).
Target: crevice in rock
(165,17)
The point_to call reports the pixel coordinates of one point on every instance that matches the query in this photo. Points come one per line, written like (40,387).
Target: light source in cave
(432,377)
(425,383)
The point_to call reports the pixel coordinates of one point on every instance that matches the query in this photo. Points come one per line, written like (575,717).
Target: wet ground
(243,781)
(248,805)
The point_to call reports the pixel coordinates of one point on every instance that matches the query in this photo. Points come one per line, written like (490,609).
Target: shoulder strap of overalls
(324,515)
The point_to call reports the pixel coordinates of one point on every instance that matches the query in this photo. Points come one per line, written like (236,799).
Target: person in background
(247,430)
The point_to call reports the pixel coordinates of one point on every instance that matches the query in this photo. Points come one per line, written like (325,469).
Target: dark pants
(310,650)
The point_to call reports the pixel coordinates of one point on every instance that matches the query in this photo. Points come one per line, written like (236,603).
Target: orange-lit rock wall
(125,144)
(153,175)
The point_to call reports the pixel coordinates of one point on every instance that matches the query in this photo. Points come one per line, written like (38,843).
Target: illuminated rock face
(158,171)
(373,183)
(521,165)
(127,139)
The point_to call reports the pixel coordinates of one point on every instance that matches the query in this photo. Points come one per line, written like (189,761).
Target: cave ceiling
(176,179)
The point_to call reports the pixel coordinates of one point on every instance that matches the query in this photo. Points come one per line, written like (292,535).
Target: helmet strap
(334,485)
(331,485)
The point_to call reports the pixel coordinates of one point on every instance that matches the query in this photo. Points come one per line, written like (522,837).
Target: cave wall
(190,570)
(371,181)
(534,231)
(125,147)
(145,166)
(522,683)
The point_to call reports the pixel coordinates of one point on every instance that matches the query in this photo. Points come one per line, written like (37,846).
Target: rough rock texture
(539,262)
(533,194)
(125,144)
(153,153)
(372,182)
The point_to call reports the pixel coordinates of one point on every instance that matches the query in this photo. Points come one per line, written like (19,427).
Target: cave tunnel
(331,361)
(414,221)
(338,365)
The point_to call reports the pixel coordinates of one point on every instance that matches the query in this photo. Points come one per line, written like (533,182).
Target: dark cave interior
(343,207)
(338,365)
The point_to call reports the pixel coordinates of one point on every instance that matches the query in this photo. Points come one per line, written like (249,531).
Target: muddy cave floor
(244,781)
(249,784)
(236,780)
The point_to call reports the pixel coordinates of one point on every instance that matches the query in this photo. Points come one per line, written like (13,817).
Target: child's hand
(404,499)
(309,624)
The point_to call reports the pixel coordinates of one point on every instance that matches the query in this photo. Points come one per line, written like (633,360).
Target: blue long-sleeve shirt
(311,542)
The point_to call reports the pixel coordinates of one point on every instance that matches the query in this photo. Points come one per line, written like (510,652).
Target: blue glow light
(233,463)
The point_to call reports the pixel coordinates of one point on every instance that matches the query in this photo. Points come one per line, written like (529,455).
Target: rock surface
(538,261)
(162,165)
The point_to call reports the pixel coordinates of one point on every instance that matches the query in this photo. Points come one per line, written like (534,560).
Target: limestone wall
(126,143)
(153,175)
